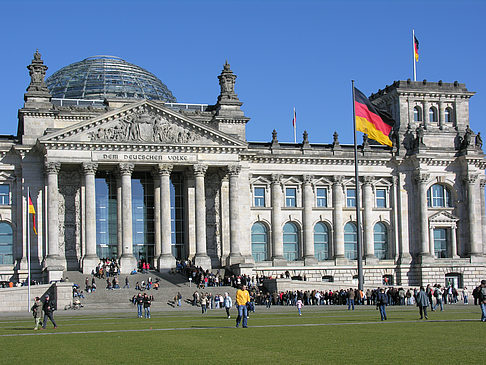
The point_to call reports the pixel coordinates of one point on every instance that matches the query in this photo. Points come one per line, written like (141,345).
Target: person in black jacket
(381,302)
(48,308)
(146,305)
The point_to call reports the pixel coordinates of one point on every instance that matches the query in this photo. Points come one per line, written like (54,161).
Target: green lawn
(279,335)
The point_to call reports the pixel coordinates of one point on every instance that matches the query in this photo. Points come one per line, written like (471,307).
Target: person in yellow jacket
(242,297)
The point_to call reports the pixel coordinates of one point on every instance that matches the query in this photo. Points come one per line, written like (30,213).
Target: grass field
(322,335)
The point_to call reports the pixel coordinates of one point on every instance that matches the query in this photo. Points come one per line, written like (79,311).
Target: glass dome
(103,77)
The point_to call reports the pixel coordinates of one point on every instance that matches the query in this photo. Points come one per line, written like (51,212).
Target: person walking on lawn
(242,298)
(48,308)
(422,302)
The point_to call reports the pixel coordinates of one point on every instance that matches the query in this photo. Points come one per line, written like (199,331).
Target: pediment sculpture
(144,126)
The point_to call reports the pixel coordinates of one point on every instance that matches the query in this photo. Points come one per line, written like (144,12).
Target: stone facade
(253,207)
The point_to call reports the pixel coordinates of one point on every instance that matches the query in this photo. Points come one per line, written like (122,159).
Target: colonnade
(308,218)
(162,217)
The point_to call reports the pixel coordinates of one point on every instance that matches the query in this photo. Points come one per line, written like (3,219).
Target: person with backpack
(381,302)
(482,300)
(37,313)
(438,298)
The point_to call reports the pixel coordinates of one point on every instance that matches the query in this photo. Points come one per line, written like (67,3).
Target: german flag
(415,48)
(376,123)
(32,211)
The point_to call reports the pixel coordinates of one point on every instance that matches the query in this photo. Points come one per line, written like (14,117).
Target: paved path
(42,333)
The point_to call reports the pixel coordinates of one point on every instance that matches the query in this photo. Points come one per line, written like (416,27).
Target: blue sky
(286,54)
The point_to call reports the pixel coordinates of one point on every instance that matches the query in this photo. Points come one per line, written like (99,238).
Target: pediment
(322,181)
(260,180)
(443,217)
(143,122)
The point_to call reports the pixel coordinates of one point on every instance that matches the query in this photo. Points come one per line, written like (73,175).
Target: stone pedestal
(405,259)
(127,263)
(234,259)
(425,259)
(310,261)
(478,259)
(341,260)
(279,261)
(54,274)
(371,260)
(89,263)
(202,261)
(166,262)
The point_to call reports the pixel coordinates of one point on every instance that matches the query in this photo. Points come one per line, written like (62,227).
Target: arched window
(291,241)
(417,114)
(433,115)
(448,115)
(350,241)
(259,242)
(380,237)
(321,241)
(6,244)
(438,196)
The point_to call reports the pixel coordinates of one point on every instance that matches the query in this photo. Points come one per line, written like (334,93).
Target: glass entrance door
(143,217)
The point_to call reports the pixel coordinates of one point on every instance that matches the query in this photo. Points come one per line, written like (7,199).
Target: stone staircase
(169,286)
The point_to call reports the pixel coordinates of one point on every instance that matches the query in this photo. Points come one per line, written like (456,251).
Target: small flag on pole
(376,123)
(415,48)
(32,211)
(294,120)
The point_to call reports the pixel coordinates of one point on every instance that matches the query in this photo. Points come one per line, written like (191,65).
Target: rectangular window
(290,197)
(259,196)
(440,242)
(4,194)
(380,198)
(351,197)
(321,194)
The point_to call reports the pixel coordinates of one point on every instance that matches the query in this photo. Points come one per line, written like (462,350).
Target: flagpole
(28,249)
(295,127)
(358,210)
(413,55)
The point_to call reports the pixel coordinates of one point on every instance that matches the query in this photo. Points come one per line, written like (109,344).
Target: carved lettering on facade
(146,157)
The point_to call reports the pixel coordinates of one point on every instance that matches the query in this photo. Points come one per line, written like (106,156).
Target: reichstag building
(116,167)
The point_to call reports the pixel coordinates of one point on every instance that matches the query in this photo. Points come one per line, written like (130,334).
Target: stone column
(53,260)
(426,114)
(277,232)
(369,249)
(432,241)
(441,115)
(127,261)
(90,259)
(235,256)
(422,179)
(157,229)
(201,259)
(337,202)
(119,221)
(482,184)
(309,254)
(166,260)
(454,254)
(475,248)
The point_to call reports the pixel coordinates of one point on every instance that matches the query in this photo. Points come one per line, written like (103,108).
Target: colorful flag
(294,121)
(416,48)
(32,211)
(376,123)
